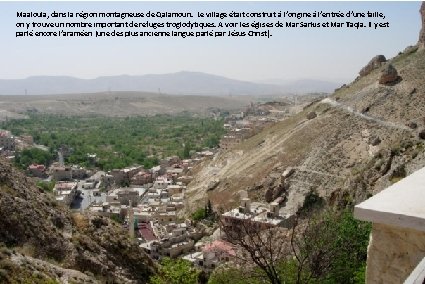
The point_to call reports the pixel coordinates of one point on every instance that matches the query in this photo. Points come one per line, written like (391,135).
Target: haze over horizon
(334,55)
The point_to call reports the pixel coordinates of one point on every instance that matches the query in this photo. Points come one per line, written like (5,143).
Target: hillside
(120,104)
(181,83)
(305,86)
(365,137)
(42,241)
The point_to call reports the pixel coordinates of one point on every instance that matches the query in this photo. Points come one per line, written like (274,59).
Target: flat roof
(401,204)
(194,256)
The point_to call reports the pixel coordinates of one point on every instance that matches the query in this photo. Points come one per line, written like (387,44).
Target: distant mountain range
(180,83)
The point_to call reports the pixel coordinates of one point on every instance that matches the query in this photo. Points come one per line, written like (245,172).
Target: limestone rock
(374,63)
(311,115)
(422,134)
(269,195)
(374,140)
(412,125)
(421,42)
(410,49)
(389,75)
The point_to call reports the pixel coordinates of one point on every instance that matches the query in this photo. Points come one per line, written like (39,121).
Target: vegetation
(332,249)
(231,275)
(203,213)
(46,185)
(199,214)
(11,272)
(328,248)
(117,142)
(177,271)
(33,156)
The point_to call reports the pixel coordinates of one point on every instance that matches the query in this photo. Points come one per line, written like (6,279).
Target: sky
(331,54)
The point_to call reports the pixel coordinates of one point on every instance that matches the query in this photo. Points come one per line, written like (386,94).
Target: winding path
(361,115)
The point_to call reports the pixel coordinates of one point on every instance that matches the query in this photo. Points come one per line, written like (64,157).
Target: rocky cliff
(41,240)
(421,41)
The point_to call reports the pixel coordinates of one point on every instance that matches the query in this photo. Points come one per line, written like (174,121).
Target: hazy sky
(335,54)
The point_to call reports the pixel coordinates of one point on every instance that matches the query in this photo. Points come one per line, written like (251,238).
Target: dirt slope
(365,137)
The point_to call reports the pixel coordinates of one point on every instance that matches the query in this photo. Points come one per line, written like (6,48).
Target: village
(150,203)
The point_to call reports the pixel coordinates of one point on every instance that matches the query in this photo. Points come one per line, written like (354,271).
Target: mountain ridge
(184,82)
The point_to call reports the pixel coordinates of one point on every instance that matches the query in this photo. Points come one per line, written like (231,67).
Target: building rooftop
(219,246)
(36,167)
(65,185)
(192,257)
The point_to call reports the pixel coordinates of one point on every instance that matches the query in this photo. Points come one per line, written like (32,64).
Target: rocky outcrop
(373,64)
(374,140)
(33,222)
(311,115)
(389,75)
(412,125)
(421,42)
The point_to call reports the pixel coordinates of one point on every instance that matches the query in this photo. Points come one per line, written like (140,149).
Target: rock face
(421,42)
(32,219)
(374,63)
(389,75)
(422,134)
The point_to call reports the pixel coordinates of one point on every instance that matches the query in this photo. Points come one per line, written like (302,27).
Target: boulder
(374,63)
(412,125)
(389,75)
(311,115)
(374,140)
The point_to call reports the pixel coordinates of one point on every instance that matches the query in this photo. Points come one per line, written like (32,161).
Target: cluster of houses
(10,143)
(150,207)
(242,125)
(7,141)
(257,215)
(149,202)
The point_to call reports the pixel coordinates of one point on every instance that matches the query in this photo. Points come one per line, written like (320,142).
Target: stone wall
(393,253)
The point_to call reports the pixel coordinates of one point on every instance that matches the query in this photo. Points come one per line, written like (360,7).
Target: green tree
(178,271)
(226,275)
(332,248)
(33,156)
(199,214)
